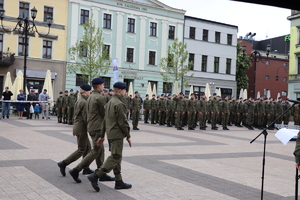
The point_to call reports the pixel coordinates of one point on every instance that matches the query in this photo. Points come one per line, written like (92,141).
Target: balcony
(6,58)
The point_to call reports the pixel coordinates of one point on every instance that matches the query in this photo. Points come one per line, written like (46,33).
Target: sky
(265,21)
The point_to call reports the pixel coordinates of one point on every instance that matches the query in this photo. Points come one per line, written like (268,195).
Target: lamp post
(26,26)
(256,57)
(284,67)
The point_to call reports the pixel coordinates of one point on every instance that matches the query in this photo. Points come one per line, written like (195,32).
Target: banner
(115,69)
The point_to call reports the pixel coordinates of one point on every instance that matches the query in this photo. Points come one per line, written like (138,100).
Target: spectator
(30,97)
(6,105)
(45,107)
(20,105)
(37,110)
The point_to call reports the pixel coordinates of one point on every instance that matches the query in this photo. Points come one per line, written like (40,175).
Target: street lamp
(284,67)
(256,57)
(26,26)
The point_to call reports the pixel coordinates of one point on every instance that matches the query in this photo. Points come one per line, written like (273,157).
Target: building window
(21,46)
(47,49)
(284,79)
(191,60)
(107,21)
(229,39)
(205,35)
(267,77)
(106,50)
(266,92)
(283,93)
(131,25)
(216,64)
(106,82)
(153,28)
(24,10)
(152,57)
(217,37)
(228,66)
(192,32)
(172,32)
(204,63)
(83,50)
(48,12)
(81,79)
(167,87)
(1,4)
(129,55)
(84,16)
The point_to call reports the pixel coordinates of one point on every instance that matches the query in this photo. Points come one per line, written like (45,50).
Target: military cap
(181,93)
(279,98)
(120,85)
(60,92)
(169,95)
(162,95)
(71,90)
(136,92)
(218,96)
(202,94)
(270,98)
(86,87)
(241,97)
(97,81)
(265,98)
(110,90)
(214,94)
(225,96)
(65,91)
(192,94)
(147,95)
(153,95)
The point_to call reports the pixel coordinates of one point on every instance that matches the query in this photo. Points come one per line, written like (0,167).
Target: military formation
(65,106)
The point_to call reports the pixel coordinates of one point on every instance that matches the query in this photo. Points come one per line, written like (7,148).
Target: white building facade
(212,49)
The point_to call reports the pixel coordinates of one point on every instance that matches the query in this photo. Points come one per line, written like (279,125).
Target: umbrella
(18,85)
(278,95)
(176,88)
(241,93)
(154,89)
(191,91)
(7,82)
(149,91)
(288,96)
(207,90)
(130,90)
(269,94)
(219,92)
(245,96)
(258,95)
(48,85)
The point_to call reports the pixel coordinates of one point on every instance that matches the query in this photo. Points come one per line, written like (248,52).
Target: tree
(173,65)
(89,55)
(243,63)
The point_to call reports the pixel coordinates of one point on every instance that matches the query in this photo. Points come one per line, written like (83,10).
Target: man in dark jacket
(30,97)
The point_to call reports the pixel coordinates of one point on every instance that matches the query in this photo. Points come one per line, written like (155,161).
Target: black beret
(192,94)
(202,94)
(120,85)
(265,98)
(169,95)
(162,95)
(153,95)
(60,92)
(136,92)
(214,94)
(71,90)
(86,87)
(110,90)
(147,95)
(270,98)
(181,93)
(65,91)
(279,98)
(97,81)
(241,97)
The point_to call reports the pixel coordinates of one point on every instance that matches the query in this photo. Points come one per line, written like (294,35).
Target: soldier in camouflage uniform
(162,110)
(286,117)
(244,111)
(71,103)
(169,110)
(58,103)
(209,106)
(146,106)
(202,110)
(239,112)
(260,112)
(232,107)
(279,110)
(270,113)
(225,113)
(136,107)
(214,111)
(179,110)
(127,102)
(153,108)
(250,113)
(296,114)
(65,107)
(191,112)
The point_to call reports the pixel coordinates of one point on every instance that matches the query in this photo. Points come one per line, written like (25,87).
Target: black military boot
(62,165)
(93,178)
(190,128)
(75,174)
(65,122)
(105,177)
(87,171)
(121,185)
(225,128)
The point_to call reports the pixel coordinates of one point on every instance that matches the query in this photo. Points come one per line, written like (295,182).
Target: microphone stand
(265,133)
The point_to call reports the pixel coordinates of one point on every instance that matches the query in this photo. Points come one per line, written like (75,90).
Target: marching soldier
(146,106)
(136,107)
(65,107)
(185,111)
(59,104)
(80,131)
(232,106)
(225,113)
(127,104)
(191,112)
(179,110)
(71,102)
(239,112)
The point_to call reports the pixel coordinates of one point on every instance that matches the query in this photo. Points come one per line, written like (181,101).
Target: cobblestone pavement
(162,164)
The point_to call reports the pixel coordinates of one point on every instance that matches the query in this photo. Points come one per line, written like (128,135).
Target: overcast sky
(265,21)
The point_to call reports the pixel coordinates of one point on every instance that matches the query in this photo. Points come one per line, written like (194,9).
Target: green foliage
(88,55)
(173,65)
(243,63)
